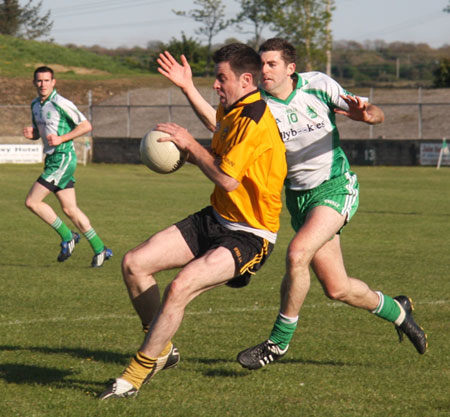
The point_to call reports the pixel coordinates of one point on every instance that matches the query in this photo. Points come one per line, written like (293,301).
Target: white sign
(429,154)
(20,153)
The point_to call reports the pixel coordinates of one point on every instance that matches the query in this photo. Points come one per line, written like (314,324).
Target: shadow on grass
(19,374)
(61,378)
(95,355)
(245,372)
(58,377)
(46,376)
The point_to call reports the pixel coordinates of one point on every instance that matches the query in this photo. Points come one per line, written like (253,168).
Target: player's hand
(28,132)
(178,135)
(361,111)
(180,75)
(54,140)
(357,109)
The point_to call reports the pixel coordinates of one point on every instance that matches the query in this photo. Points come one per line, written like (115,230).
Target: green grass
(66,329)
(18,57)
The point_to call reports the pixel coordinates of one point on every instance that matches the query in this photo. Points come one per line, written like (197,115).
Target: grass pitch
(66,328)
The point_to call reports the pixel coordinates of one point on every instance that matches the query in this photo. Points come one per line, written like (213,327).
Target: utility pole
(328,39)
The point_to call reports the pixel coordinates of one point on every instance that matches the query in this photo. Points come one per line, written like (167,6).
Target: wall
(382,152)
(359,152)
(388,152)
(121,151)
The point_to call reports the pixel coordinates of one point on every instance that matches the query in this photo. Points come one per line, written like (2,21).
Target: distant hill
(19,58)
(78,72)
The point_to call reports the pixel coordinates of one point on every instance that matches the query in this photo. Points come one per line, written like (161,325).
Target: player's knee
(336,293)
(130,268)
(70,212)
(178,292)
(30,204)
(296,258)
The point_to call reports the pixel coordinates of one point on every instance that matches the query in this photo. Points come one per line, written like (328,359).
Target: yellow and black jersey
(251,150)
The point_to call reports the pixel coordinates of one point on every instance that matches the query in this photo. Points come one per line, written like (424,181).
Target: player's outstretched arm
(361,111)
(181,76)
(79,130)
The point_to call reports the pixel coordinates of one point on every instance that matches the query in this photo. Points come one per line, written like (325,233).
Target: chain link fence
(409,114)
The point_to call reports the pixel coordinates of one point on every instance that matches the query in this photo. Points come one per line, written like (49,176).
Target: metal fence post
(420,113)
(370,101)
(90,105)
(90,113)
(128,115)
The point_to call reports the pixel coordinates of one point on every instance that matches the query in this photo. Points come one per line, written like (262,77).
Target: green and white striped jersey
(307,125)
(55,115)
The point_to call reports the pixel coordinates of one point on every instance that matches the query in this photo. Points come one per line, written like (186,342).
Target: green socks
(283,330)
(284,327)
(62,229)
(95,241)
(66,235)
(389,309)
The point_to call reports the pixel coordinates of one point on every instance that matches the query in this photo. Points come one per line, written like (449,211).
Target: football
(161,157)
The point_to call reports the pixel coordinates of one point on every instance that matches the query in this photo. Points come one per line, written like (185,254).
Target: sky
(116,23)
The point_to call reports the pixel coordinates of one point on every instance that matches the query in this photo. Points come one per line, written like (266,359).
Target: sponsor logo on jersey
(311,112)
(291,134)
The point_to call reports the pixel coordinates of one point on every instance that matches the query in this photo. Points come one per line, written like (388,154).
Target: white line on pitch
(192,313)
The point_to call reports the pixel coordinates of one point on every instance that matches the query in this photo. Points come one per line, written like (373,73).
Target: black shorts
(52,187)
(203,232)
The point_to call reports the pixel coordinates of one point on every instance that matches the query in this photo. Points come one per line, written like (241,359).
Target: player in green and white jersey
(58,121)
(322,194)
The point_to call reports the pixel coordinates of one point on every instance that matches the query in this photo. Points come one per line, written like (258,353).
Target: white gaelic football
(161,157)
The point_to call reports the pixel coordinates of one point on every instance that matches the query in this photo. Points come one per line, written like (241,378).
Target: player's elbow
(229,184)
(87,126)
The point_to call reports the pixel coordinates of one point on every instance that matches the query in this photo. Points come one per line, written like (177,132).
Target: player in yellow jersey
(226,242)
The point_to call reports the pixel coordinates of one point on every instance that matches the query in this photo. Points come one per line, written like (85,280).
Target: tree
(256,13)
(442,74)
(190,48)
(24,22)
(211,13)
(447,8)
(305,23)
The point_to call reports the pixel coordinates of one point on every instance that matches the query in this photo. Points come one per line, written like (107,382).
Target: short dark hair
(43,69)
(288,52)
(242,58)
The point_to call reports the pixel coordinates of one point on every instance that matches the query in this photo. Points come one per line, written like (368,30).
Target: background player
(57,121)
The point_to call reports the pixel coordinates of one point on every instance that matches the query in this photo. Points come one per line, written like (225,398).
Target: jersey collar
(52,94)
(247,99)
(301,82)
